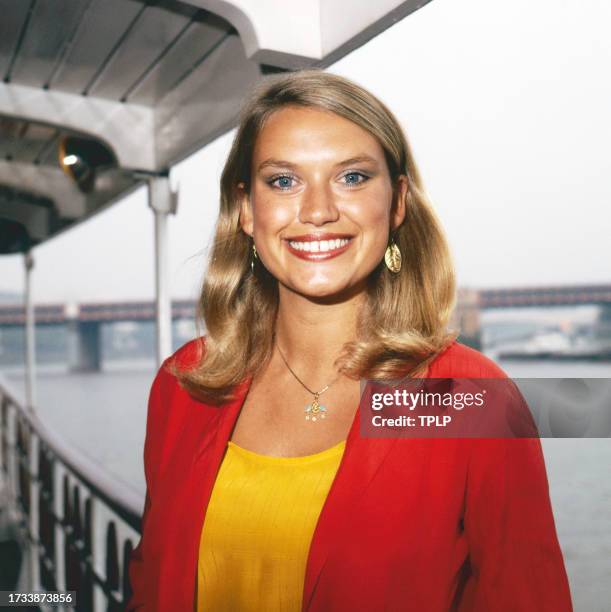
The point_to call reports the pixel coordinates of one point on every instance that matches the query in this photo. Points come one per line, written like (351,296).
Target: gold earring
(392,257)
(254,256)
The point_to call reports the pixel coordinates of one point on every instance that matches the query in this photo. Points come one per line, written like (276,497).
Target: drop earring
(253,258)
(392,257)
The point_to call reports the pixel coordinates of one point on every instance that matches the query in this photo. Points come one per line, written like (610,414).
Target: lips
(318,247)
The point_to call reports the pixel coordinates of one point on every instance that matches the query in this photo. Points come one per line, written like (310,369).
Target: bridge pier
(603,326)
(84,346)
(466,318)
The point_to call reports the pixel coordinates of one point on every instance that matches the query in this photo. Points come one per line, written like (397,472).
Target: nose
(318,205)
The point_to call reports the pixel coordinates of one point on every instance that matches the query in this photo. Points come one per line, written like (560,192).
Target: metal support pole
(163,200)
(30,330)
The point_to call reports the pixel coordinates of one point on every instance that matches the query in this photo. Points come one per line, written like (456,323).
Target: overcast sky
(507,108)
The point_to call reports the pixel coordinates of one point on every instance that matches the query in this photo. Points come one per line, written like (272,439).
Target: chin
(328,291)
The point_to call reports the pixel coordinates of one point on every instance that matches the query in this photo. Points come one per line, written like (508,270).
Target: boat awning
(97,95)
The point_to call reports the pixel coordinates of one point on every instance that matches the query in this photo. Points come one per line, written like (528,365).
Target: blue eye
(352,178)
(283,182)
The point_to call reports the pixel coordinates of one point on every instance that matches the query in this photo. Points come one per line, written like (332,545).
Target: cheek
(270,214)
(371,212)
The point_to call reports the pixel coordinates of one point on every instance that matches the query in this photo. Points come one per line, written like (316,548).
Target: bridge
(83,323)
(471,302)
(563,295)
(95,312)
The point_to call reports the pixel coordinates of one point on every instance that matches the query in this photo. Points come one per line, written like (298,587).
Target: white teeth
(317,246)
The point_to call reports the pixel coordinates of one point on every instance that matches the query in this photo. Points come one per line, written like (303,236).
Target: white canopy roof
(150,81)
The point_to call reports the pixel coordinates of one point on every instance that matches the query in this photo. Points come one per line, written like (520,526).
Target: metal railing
(78,524)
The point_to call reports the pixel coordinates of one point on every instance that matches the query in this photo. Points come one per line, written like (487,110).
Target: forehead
(302,134)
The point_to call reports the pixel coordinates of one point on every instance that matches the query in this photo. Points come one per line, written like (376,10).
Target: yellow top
(258,527)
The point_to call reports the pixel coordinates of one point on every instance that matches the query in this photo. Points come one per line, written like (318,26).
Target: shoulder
(186,356)
(461,361)
(165,386)
(168,401)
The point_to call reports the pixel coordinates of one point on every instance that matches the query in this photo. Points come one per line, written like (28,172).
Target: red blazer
(429,525)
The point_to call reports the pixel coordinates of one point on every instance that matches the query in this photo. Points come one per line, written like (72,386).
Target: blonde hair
(402,325)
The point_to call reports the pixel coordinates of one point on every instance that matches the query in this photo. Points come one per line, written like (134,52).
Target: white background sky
(507,108)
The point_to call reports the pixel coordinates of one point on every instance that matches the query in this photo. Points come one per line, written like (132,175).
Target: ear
(398,210)
(246,218)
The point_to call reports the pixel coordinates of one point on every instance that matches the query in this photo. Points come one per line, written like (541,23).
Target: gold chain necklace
(314,409)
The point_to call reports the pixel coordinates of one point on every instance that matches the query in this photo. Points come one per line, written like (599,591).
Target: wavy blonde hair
(402,325)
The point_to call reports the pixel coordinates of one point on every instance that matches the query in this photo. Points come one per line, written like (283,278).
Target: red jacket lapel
(361,460)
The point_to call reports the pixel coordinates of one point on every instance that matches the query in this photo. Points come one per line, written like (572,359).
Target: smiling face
(319,207)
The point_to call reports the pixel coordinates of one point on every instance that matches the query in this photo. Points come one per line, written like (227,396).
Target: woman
(329,266)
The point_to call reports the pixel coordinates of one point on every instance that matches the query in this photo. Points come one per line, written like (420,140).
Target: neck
(312,332)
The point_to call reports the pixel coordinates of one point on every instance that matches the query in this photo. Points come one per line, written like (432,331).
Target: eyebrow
(346,162)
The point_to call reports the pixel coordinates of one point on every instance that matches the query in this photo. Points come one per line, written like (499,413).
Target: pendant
(315,410)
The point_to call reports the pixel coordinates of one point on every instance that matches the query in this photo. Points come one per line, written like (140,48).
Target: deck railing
(78,523)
